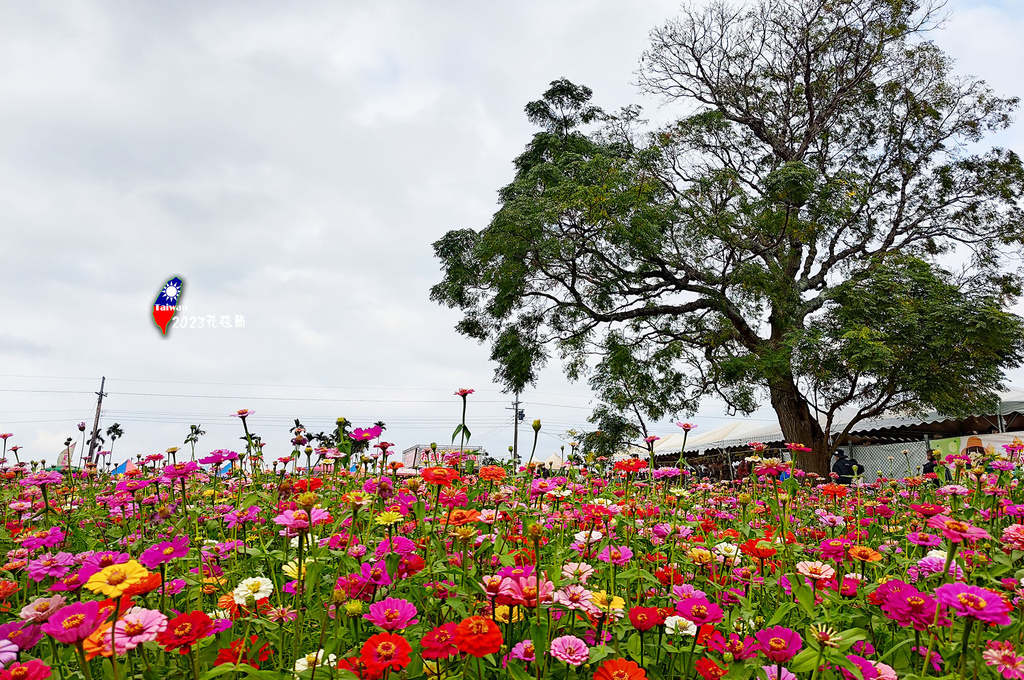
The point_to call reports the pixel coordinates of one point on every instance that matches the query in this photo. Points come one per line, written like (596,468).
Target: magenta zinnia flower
(74,623)
(164,552)
(978,603)
(779,644)
(699,610)
(392,614)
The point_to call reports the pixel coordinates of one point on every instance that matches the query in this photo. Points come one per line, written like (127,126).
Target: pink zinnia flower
(138,625)
(1004,657)
(524,651)
(525,591)
(42,608)
(955,530)
(779,644)
(580,571)
(619,556)
(300,520)
(574,597)
(34,669)
(978,603)
(816,571)
(392,614)
(570,649)
(922,538)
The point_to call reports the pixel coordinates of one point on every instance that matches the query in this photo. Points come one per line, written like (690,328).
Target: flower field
(324,563)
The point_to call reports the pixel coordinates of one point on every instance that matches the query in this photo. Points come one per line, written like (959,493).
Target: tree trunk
(799,426)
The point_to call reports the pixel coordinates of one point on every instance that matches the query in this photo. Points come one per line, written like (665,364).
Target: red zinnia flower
(184,631)
(709,670)
(644,618)
(440,642)
(236,654)
(478,636)
(385,650)
(620,669)
(439,475)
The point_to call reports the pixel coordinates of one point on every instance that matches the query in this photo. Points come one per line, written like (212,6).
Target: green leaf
(633,647)
(803,662)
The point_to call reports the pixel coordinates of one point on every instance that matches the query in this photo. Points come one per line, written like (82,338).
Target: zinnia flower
(256,588)
(164,552)
(184,631)
(478,636)
(440,642)
(392,614)
(570,649)
(74,623)
(619,669)
(385,650)
(978,603)
(112,581)
(779,644)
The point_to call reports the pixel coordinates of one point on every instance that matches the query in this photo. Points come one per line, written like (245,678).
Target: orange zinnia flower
(862,553)
(492,473)
(478,636)
(462,516)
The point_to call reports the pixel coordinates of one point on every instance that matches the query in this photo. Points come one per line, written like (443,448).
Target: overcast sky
(292,162)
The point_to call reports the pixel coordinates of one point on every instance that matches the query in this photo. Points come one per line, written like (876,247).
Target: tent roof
(739,431)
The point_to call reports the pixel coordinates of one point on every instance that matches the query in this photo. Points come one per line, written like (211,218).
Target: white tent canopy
(741,431)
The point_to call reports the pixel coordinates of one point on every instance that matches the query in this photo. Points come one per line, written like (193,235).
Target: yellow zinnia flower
(600,599)
(112,581)
(388,518)
(291,569)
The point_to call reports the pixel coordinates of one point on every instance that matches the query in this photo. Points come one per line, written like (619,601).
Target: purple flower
(618,556)
(375,573)
(164,552)
(779,644)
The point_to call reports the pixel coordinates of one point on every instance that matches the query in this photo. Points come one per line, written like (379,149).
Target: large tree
(819,228)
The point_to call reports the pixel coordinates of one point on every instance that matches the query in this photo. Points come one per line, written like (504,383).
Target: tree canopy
(819,228)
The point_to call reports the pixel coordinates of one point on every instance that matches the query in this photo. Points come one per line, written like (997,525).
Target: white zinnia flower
(677,624)
(256,588)
(312,660)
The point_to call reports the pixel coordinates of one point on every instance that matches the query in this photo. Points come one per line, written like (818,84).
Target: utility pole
(96,422)
(517,417)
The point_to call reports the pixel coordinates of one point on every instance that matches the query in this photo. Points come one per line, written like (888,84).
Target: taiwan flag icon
(166,301)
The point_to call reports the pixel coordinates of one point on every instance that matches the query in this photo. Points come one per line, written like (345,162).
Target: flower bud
(536,425)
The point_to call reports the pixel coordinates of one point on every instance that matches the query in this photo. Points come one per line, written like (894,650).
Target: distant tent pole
(999,416)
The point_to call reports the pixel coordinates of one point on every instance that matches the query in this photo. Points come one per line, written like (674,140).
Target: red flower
(758,548)
(620,669)
(359,669)
(440,642)
(184,631)
(709,670)
(478,636)
(385,650)
(439,475)
(644,618)
(235,653)
(631,465)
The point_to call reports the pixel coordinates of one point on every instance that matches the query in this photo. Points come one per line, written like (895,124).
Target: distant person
(843,467)
(931,464)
